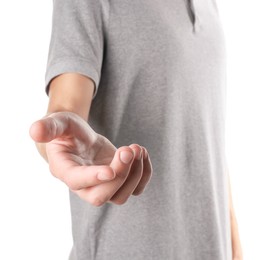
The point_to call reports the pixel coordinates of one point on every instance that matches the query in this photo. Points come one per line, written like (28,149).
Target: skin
(77,155)
(237,252)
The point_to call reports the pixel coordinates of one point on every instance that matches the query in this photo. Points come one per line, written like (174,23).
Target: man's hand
(89,164)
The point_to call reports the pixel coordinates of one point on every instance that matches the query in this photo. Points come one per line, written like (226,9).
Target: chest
(148,31)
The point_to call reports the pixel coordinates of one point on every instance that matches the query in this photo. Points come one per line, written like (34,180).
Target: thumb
(48,128)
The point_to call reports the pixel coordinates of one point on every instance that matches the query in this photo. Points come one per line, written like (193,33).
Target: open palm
(88,162)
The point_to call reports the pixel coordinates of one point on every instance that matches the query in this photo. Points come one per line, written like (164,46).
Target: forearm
(71,92)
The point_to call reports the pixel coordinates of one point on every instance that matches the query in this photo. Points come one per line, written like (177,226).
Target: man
(150,74)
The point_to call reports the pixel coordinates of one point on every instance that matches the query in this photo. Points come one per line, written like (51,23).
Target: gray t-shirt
(160,73)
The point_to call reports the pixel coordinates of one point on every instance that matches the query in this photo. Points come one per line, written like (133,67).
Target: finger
(69,169)
(121,164)
(146,175)
(56,125)
(46,129)
(135,174)
(79,177)
(122,161)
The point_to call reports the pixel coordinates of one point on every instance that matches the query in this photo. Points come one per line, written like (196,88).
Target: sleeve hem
(78,66)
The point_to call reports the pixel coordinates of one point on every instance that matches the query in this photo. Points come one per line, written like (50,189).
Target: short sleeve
(77,40)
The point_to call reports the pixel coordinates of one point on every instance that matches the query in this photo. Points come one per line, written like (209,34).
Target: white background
(35,216)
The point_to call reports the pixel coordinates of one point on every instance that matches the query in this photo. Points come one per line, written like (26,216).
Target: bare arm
(71,92)
(79,156)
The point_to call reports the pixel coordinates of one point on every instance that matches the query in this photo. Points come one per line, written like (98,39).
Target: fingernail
(104,176)
(126,157)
